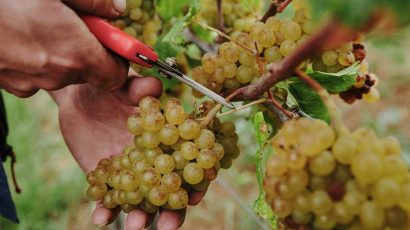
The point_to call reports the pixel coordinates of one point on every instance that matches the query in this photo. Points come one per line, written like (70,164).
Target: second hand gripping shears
(135,51)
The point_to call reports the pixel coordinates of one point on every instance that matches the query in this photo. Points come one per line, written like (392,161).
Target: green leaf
(175,34)
(168,9)
(260,206)
(337,82)
(203,33)
(194,52)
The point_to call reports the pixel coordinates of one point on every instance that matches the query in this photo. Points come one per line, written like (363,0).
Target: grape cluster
(171,156)
(244,59)
(140,21)
(235,14)
(320,180)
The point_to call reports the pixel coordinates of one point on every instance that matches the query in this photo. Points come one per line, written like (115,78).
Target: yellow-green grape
(151,154)
(218,150)
(372,96)
(201,186)
(341,213)
(325,222)
(273,24)
(298,180)
(125,162)
(346,59)
(244,74)
(134,125)
(318,65)
(367,168)
(272,54)
(231,84)
(229,70)
(309,27)
(320,202)
(386,193)
(127,208)
(164,163)
(96,191)
(114,179)
(267,38)
(391,145)
(171,182)
(92,178)
(209,63)
(130,30)
(291,30)
(178,200)
(135,155)
(128,180)
(134,197)
(229,52)
(157,196)
(276,165)
(148,207)
(179,160)
(102,174)
(138,141)
(177,146)
(302,202)
(395,168)
(206,159)
(286,192)
(189,129)
(396,218)
(153,121)
(256,29)
(175,115)
(193,174)
(287,47)
(140,166)
(122,197)
(150,140)
(282,208)
(296,160)
(371,215)
(189,150)
(344,149)
(169,134)
(329,57)
(353,200)
(108,200)
(246,59)
(150,177)
(301,217)
(205,139)
(218,76)
(322,164)
(149,104)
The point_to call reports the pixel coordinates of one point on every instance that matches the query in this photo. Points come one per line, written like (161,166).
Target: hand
(45,45)
(93,123)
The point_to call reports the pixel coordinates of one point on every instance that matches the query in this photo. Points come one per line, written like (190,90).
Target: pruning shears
(137,52)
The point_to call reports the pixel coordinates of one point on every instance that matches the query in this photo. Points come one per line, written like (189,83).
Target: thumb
(135,88)
(104,8)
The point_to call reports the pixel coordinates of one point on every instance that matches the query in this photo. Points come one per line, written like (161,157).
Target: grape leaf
(260,206)
(168,9)
(175,34)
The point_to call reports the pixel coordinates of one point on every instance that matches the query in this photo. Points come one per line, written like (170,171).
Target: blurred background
(54,187)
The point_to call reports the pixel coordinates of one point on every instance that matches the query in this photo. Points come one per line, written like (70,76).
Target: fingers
(137,219)
(105,8)
(135,88)
(195,197)
(103,216)
(171,220)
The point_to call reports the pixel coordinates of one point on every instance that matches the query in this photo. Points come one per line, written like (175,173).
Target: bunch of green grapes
(237,15)
(243,60)
(140,21)
(320,180)
(171,156)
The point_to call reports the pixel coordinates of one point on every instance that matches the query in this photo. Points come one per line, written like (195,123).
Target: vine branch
(277,6)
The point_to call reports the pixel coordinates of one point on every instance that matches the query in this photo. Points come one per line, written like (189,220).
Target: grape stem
(277,105)
(335,115)
(277,6)
(220,21)
(260,101)
(283,6)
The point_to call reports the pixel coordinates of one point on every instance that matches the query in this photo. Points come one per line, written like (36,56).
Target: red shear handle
(118,41)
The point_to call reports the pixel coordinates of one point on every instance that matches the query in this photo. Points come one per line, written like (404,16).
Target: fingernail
(102,225)
(120,5)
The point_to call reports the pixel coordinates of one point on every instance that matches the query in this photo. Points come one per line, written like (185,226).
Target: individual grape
(342,214)
(206,159)
(178,200)
(296,160)
(158,196)
(108,200)
(298,180)
(164,163)
(276,165)
(218,150)
(92,178)
(171,182)
(325,222)
(205,139)
(281,208)
(329,58)
(150,177)
(230,52)
(344,149)
(267,38)
(256,29)
(301,217)
(175,115)
(121,196)
(169,134)
(391,145)
(149,104)
(291,30)
(209,63)
(179,160)
(302,202)
(395,168)
(323,164)
(189,129)
(231,84)
(228,128)
(229,70)
(396,218)
(371,215)
(96,191)
(150,140)
(273,54)
(130,30)
(346,59)
(134,197)
(134,125)
(193,174)
(386,193)
(244,74)
(367,168)
(320,202)
(273,24)
(287,47)
(125,162)
(246,59)
(140,166)
(101,175)
(372,96)
(353,200)
(148,207)
(153,121)
(152,154)
(189,150)
(135,155)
